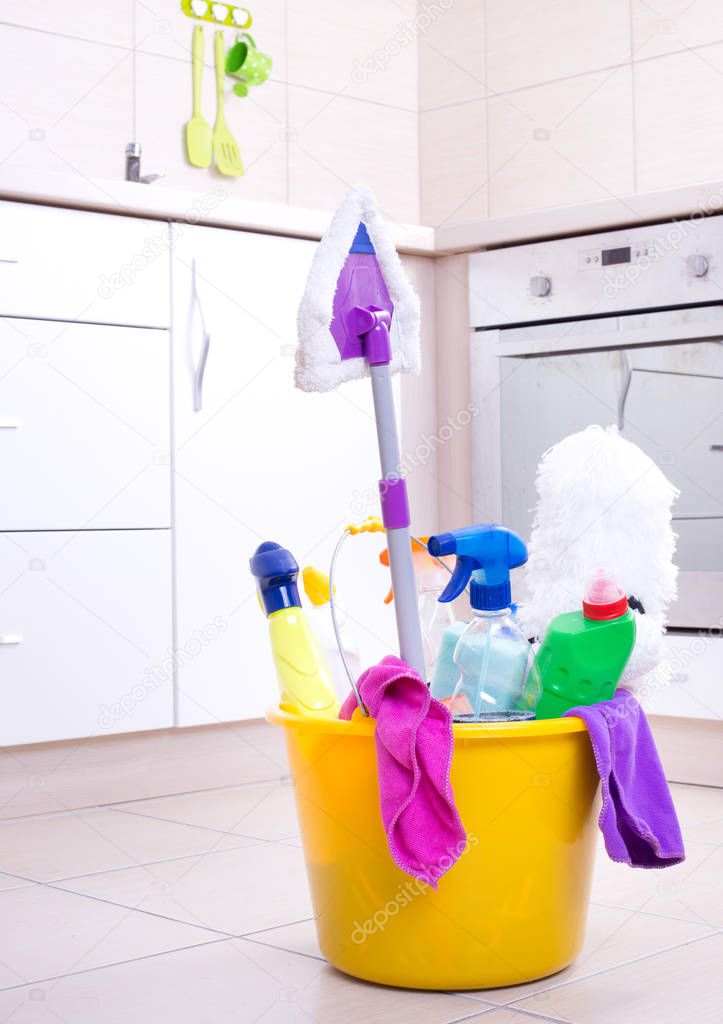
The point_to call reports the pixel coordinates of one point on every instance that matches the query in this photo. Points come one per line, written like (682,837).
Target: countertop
(213,208)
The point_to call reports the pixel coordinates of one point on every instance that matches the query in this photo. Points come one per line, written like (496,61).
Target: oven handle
(568,341)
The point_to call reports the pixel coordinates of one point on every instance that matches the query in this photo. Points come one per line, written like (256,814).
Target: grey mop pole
(395,515)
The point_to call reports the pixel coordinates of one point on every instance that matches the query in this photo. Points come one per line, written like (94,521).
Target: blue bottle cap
(276,570)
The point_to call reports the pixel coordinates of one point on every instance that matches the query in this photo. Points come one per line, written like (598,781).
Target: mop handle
(395,513)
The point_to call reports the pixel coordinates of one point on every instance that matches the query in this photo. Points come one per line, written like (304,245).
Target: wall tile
(678,101)
(66,104)
(162,28)
(454,164)
(451,56)
(672,25)
(101,21)
(335,141)
(257,122)
(367,51)
(567,142)
(530,42)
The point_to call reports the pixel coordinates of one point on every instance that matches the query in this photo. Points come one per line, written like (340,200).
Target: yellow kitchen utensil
(198,130)
(225,147)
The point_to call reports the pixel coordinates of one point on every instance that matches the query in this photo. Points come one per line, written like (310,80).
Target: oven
(620,327)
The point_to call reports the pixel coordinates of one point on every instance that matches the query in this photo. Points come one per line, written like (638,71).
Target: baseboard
(49,777)
(690,749)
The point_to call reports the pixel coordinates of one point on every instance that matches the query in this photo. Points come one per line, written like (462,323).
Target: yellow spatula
(225,147)
(198,130)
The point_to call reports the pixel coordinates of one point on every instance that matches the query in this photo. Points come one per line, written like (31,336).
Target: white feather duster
(319,366)
(602,501)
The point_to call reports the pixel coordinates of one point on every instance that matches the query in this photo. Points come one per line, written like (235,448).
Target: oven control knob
(698,265)
(540,286)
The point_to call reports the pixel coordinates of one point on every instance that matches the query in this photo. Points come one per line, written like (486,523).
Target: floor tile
(235,891)
(79,842)
(262,811)
(47,932)
(690,891)
(682,986)
(697,804)
(613,937)
(295,938)
(234,981)
(11,882)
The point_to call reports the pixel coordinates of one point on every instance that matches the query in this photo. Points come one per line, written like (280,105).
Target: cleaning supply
(496,675)
(225,148)
(584,653)
(304,681)
(318,591)
(359,316)
(431,576)
(602,501)
(446,674)
(413,736)
(198,130)
(638,819)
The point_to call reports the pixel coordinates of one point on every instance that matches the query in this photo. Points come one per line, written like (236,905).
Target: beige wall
(329,115)
(527,105)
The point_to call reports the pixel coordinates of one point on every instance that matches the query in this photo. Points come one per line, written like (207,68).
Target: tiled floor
(193,909)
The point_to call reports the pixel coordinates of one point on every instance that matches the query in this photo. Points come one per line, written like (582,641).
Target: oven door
(643,372)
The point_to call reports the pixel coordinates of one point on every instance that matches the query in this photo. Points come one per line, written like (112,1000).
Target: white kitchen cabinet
(687,683)
(76,265)
(259,461)
(85,634)
(84,426)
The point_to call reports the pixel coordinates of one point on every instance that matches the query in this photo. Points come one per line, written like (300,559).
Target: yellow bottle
(304,681)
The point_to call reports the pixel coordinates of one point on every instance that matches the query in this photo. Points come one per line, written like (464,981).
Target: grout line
(116,963)
(146,864)
(608,970)
(204,828)
(633,112)
(139,910)
(486,141)
(648,913)
(501,94)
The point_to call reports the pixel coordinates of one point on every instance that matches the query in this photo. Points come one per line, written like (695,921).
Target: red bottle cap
(604,600)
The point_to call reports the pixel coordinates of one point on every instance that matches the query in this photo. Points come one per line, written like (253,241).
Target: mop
(359,316)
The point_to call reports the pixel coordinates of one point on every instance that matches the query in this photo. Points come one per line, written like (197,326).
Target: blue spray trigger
(487,547)
(463,569)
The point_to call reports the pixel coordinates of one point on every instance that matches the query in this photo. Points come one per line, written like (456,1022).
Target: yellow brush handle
(220,61)
(197,58)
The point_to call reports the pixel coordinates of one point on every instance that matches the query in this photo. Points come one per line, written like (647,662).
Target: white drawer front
(76,265)
(85,633)
(84,426)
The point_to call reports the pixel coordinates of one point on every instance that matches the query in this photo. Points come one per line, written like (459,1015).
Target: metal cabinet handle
(11,639)
(200,367)
(715,447)
(10,424)
(7,259)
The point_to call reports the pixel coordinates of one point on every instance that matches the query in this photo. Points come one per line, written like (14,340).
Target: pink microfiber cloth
(638,819)
(414,753)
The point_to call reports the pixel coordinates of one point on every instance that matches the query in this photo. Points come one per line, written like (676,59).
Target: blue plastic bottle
(496,680)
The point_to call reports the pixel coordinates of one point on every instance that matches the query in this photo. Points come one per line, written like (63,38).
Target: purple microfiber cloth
(414,742)
(638,819)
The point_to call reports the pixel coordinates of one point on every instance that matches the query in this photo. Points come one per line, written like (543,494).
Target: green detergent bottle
(584,653)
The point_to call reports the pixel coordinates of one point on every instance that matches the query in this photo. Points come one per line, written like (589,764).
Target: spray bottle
(496,678)
(305,684)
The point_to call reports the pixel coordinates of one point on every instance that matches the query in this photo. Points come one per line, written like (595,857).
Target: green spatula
(225,147)
(198,130)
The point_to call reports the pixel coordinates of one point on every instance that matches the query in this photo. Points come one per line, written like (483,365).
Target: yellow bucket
(513,907)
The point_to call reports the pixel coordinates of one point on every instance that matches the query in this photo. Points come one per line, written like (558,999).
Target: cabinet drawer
(85,633)
(84,426)
(75,265)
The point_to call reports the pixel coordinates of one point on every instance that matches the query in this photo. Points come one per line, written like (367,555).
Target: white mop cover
(319,366)
(602,501)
